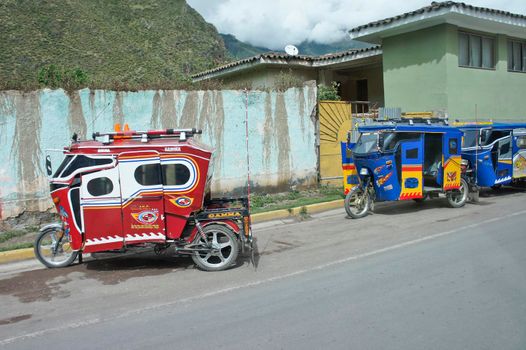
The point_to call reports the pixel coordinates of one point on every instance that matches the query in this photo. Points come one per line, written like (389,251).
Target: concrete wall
(268,77)
(281,134)
(421,73)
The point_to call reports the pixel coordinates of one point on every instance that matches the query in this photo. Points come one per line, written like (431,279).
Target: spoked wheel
(223,252)
(53,249)
(457,198)
(357,202)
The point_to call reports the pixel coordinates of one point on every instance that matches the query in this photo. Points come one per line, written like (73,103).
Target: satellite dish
(291,50)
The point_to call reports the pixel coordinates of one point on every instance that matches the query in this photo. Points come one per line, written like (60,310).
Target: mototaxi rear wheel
(223,251)
(53,249)
(357,202)
(457,198)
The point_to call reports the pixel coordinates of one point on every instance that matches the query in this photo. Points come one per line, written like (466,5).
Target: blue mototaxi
(495,153)
(414,161)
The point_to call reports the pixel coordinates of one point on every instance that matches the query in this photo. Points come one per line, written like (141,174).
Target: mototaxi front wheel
(457,198)
(357,202)
(222,251)
(53,249)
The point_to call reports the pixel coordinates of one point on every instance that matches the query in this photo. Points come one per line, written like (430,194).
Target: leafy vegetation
(329,93)
(117,44)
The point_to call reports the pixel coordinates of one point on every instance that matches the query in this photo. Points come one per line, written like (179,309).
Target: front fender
(55,225)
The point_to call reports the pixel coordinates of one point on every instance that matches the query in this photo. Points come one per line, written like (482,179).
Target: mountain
(119,44)
(239,50)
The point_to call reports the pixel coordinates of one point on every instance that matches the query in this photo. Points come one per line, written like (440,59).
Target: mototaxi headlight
(364,171)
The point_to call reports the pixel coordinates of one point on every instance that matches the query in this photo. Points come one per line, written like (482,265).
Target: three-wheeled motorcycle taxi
(495,153)
(130,190)
(404,160)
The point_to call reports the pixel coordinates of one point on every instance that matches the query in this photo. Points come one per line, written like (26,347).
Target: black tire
(49,253)
(357,203)
(457,198)
(227,254)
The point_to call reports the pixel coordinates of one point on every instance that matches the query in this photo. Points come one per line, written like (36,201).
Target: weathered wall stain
(301,107)
(118,112)
(76,120)
(168,111)
(269,141)
(164,109)
(92,106)
(155,120)
(25,149)
(282,133)
(189,115)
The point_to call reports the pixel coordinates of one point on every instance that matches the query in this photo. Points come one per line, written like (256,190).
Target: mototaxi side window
(494,135)
(81,161)
(392,139)
(453,146)
(148,174)
(100,186)
(175,174)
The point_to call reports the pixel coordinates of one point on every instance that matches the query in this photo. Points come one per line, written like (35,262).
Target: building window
(476,51)
(516,56)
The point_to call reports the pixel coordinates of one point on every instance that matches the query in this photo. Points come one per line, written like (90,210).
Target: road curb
(16,255)
(28,253)
(286,213)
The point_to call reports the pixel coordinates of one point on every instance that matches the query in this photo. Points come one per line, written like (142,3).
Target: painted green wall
(415,68)
(421,72)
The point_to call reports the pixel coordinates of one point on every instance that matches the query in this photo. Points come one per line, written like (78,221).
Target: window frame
(482,37)
(522,51)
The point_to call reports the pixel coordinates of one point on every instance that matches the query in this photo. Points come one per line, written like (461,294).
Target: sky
(275,23)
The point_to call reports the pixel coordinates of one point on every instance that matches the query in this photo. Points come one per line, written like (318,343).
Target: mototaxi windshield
(367,143)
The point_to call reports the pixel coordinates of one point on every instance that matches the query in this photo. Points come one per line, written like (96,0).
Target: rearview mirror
(49,170)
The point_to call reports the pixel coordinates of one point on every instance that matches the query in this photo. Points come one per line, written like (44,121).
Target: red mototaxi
(136,188)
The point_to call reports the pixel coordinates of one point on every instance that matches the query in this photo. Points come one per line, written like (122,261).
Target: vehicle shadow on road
(501,192)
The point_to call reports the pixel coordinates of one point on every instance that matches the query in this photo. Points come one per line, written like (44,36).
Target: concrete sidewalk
(268,218)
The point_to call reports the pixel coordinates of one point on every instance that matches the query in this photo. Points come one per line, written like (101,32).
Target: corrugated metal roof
(278,56)
(435,6)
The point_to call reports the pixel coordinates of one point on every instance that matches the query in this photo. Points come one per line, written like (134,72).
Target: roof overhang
(282,60)
(461,15)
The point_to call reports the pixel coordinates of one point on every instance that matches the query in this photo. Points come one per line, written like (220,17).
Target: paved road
(407,277)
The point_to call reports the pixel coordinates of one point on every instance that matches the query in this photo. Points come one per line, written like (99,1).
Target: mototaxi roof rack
(394,115)
(145,136)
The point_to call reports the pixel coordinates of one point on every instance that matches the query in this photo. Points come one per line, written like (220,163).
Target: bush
(69,79)
(329,93)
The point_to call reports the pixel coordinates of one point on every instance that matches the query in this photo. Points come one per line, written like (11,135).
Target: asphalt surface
(410,276)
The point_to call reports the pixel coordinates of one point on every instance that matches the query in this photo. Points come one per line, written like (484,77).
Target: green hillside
(123,44)
(239,50)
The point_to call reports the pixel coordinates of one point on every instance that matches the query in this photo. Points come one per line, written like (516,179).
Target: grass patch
(269,202)
(16,246)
